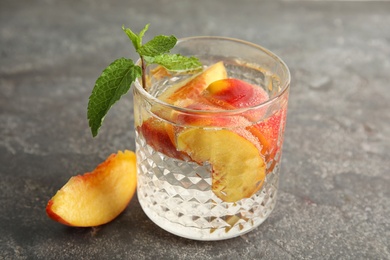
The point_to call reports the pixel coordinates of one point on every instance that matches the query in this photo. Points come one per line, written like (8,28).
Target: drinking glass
(225,182)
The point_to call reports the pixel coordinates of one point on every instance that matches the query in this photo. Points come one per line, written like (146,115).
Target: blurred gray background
(334,191)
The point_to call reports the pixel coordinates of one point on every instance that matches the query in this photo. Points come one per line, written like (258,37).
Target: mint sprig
(116,79)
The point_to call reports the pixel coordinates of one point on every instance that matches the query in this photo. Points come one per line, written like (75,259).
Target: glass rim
(266,103)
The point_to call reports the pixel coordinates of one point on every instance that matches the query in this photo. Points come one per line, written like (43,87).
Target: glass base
(205,234)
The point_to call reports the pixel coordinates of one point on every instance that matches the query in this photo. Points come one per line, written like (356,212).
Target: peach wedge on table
(236,173)
(97,197)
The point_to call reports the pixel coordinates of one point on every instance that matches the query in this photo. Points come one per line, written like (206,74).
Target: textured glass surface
(177,196)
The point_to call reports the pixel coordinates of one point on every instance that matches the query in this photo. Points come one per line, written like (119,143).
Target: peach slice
(214,119)
(160,136)
(192,87)
(199,119)
(97,197)
(234,93)
(236,173)
(270,134)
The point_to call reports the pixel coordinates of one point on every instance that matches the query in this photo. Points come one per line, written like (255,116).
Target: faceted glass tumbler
(211,174)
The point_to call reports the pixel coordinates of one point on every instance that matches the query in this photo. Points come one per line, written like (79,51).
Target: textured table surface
(335,183)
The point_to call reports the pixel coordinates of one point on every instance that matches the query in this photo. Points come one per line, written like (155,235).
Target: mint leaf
(142,32)
(116,79)
(175,62)
(133,37)
(114,82)
(136,39)
(158,45)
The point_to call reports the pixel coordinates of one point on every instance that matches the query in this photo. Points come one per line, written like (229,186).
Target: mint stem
(143,67)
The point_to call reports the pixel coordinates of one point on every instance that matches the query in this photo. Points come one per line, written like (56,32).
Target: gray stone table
(335,182)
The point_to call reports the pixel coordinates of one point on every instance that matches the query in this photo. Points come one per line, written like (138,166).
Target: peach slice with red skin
(161,137)
(236,173)
(270,134)
(201,119)
(235,93)
(97,197)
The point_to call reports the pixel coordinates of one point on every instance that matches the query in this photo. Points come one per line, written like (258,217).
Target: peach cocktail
(209,143)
